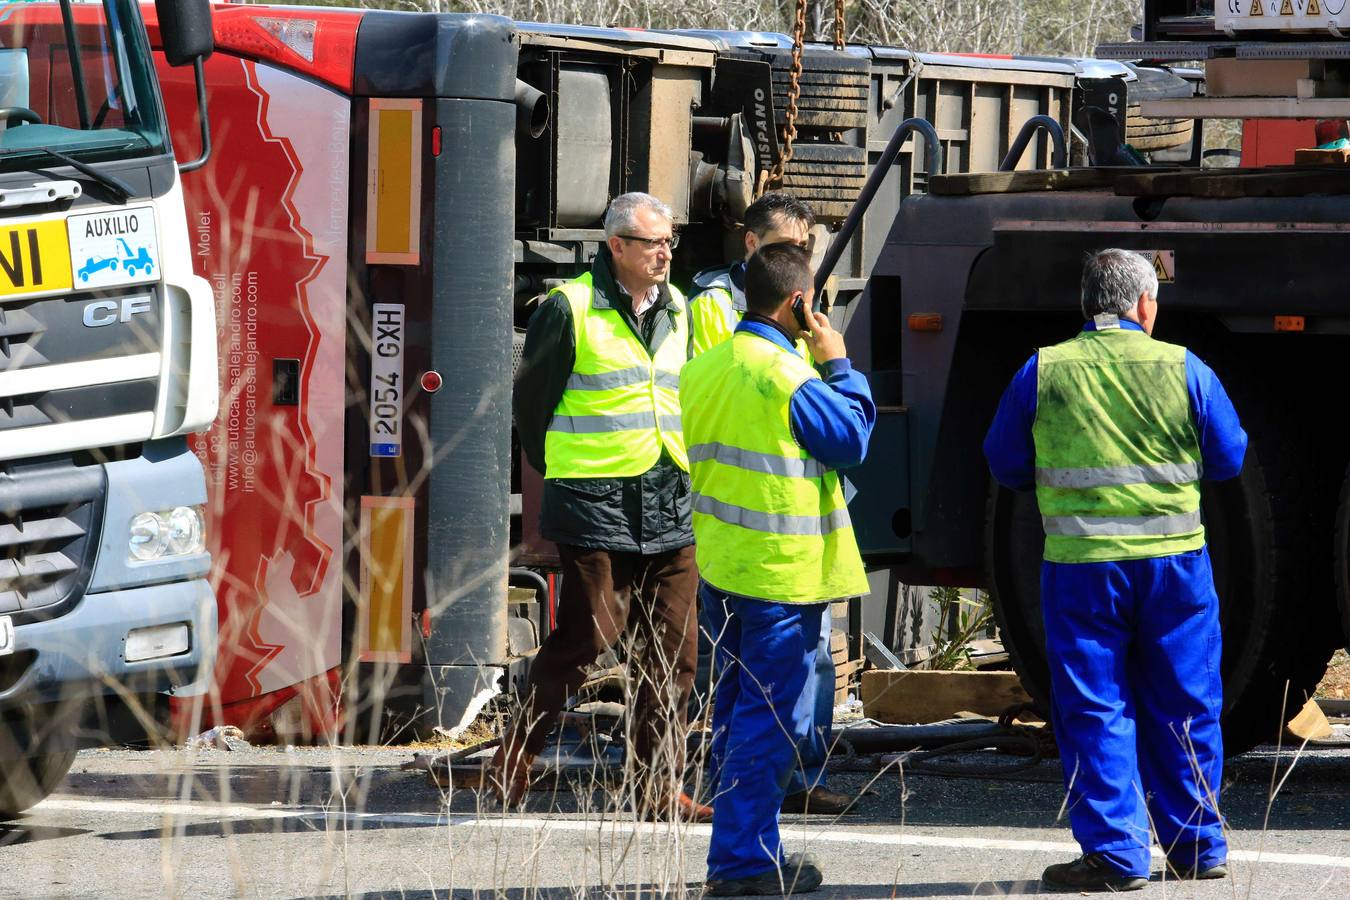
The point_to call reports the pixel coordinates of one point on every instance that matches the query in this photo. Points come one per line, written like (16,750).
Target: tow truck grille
(50,513)
(100,351)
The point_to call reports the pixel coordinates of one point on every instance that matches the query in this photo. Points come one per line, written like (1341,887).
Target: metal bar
(1034,124)
(205,119)
(76,64)
(932,155)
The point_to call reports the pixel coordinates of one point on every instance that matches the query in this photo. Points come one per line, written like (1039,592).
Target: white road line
(149,808)
(497,821)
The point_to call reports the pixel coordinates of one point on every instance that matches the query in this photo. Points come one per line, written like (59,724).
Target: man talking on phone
(765,432)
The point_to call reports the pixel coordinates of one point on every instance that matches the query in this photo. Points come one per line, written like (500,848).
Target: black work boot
(798,875)
(819,800)
(1195,873)
(1090,872)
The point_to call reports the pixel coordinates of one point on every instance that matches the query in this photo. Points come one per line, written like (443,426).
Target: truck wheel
(1259,535)
(26,782)
(1341,556)
(1156,134)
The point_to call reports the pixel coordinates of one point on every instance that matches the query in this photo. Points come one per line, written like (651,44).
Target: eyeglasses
(669,243)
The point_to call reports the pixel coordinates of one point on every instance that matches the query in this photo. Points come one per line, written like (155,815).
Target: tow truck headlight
(160,535)
(185,531)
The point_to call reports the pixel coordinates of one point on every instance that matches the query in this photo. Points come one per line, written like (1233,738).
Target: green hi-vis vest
(769,521)
(1117,453)
(621,406)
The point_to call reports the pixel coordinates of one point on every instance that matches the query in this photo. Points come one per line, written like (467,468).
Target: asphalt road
(320,822)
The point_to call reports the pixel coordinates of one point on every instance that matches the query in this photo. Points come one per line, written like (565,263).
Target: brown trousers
(606,595)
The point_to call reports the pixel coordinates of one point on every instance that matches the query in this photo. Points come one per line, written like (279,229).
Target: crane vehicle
(982,269)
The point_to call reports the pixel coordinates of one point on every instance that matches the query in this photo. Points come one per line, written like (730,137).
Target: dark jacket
(648,513)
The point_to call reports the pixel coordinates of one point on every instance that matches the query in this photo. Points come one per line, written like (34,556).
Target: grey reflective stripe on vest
(604,381)
(1108,476)
(672,423)
(753,461)
(771,523)
(1122,526)
(599,424)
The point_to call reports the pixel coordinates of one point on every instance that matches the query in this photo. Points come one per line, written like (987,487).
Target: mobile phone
(799,310)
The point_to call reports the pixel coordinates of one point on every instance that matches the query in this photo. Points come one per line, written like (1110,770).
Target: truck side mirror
(185,31)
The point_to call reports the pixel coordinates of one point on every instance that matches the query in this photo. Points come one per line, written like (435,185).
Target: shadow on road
(695,889)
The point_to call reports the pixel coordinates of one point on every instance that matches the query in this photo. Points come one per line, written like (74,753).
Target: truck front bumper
(84,652)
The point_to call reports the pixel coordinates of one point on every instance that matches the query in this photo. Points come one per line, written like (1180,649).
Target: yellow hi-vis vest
(621,406)
(1117,454)
(770,522)
(717,309)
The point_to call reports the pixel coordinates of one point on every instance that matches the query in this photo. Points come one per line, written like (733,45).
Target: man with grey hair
(1114,430)
(597,410)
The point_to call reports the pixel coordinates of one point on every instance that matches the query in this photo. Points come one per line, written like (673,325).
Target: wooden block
(1321,157)
(843,676)
(1256,77)
(1310,724)
(919,697)
(1019,182)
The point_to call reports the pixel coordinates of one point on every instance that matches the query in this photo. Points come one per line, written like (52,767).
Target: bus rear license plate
(386,380)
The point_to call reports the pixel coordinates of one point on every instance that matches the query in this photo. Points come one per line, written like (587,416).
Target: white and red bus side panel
(269,219)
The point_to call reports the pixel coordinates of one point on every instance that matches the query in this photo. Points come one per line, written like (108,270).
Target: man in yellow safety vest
(598,413)
(716,308)
(765,433)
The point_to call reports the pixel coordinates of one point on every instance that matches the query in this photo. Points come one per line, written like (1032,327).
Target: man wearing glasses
(597,410)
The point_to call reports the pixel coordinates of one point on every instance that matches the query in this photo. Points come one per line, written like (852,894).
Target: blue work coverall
(830,439)
(1134,650)
(766,652)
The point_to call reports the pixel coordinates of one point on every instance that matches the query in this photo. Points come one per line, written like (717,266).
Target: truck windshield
(76,77)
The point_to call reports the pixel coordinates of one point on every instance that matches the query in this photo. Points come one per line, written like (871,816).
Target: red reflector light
(436,140)
(925,322)
(426,623)
(431,382)
(1288,323)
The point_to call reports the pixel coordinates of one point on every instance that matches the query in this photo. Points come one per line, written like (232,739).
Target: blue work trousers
(1134,649)
(761,712)
(812,751)
(809,772)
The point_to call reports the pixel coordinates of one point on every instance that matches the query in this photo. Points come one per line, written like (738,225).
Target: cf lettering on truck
(107,362)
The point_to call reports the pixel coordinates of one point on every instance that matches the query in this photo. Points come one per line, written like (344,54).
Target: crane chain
(839,41)
(775,176)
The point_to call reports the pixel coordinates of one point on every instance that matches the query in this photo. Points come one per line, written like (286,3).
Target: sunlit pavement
(320,822)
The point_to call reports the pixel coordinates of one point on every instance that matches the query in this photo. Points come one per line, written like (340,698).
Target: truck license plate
(6,635)
(34,257)
(386,380)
